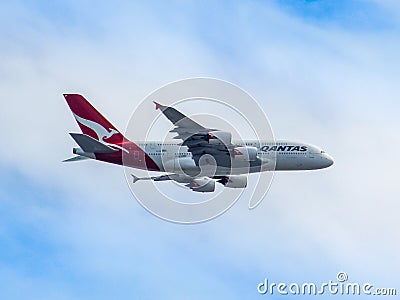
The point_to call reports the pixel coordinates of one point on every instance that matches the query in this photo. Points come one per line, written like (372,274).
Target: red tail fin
(91,121)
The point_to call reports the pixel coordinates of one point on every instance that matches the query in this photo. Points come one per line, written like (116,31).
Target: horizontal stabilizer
(91,145)
(76,158)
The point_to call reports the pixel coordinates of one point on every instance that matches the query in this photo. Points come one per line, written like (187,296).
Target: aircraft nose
(329,160)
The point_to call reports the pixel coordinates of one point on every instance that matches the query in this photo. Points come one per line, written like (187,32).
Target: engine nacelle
(176,165)
(219,138)
(245,153)
(235,181)
(202,184)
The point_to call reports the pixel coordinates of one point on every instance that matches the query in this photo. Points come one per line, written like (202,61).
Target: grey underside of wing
(179,119)
(194,136)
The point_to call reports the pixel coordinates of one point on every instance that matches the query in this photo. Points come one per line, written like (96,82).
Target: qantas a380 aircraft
(201,156)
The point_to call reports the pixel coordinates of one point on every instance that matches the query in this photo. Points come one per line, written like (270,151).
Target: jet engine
(202,184)
(234,181)
(245,153)
(179,164)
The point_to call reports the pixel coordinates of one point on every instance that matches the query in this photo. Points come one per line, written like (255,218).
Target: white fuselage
(278,155)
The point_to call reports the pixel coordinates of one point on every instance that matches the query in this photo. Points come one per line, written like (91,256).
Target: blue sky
(325,72)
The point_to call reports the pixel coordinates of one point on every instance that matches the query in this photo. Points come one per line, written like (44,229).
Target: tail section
(101,140)
(91,122)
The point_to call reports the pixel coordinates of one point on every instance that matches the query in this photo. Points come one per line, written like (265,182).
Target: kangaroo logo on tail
(101,132)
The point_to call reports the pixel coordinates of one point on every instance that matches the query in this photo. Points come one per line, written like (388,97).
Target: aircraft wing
(199,139)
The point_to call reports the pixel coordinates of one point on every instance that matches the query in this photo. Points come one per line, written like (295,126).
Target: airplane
(199,157)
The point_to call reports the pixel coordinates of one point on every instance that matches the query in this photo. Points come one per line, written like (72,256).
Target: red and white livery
(187,158)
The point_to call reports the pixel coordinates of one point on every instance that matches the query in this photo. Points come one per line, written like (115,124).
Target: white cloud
(327,86)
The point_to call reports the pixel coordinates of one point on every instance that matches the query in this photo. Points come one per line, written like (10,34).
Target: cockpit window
(322,151)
